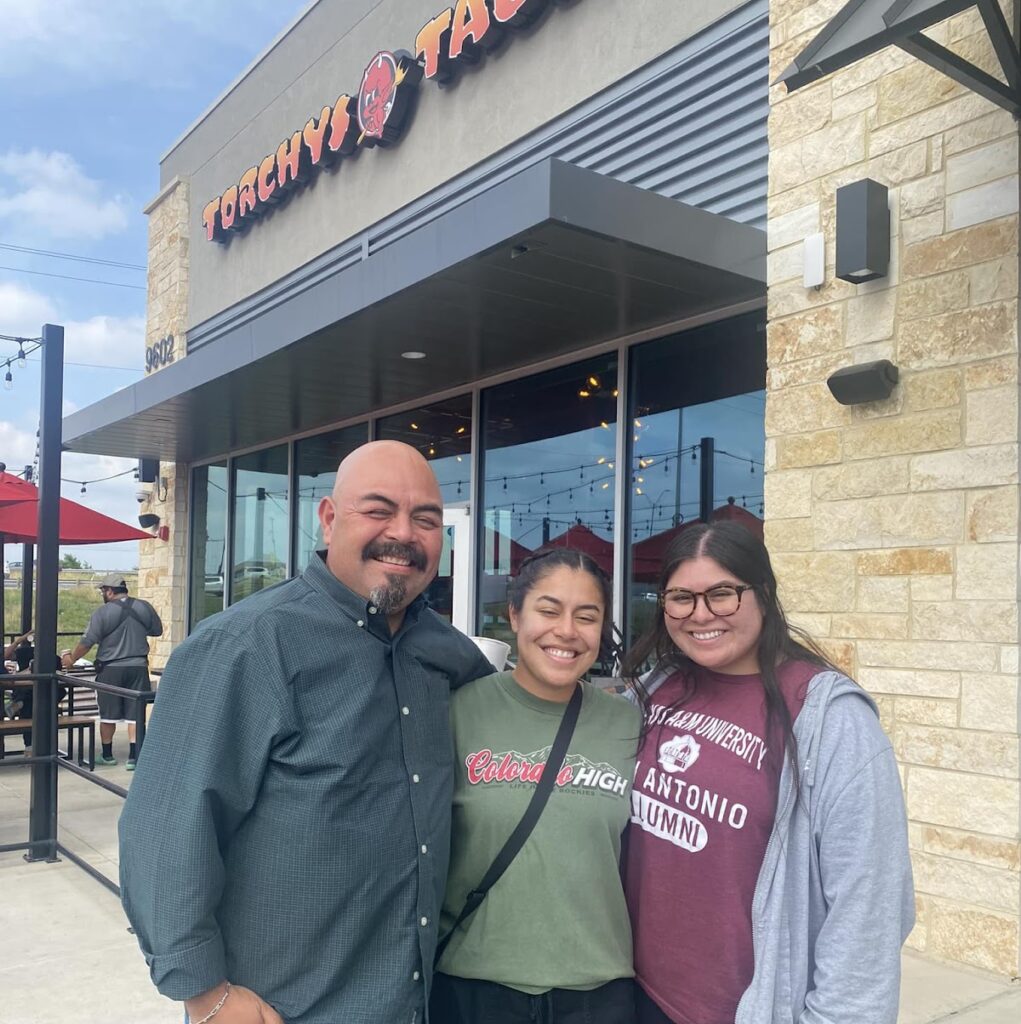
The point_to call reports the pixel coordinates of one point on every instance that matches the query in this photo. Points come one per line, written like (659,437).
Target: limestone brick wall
(162,569)
(894,525)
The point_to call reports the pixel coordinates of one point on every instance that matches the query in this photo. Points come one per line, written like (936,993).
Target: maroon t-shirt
(702,810)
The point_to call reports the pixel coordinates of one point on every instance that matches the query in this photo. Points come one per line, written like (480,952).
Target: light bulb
(8,379)
(21,356)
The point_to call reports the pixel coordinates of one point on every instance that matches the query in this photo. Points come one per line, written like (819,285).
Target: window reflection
(260,521)
(442,433)
(703,384)
(548,465)
(316,460)
(208,543)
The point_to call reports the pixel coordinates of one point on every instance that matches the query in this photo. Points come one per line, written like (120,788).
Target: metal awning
(550,261)
(864,27)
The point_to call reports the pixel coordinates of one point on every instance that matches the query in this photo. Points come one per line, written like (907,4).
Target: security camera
(141,496)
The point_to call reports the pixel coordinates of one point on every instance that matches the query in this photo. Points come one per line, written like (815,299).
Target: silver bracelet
(216,1009)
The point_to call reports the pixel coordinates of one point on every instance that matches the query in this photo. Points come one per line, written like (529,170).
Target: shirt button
(425,849)
(361,625)
(415,778)
(405,711)
(372,609)
(424,921)
(416,976)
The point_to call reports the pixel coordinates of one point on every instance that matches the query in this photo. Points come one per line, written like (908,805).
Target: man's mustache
(394,549)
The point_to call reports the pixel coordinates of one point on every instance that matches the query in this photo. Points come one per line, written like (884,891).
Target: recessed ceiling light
(412,355)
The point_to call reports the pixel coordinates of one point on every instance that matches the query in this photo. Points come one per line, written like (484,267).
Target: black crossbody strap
(523,829)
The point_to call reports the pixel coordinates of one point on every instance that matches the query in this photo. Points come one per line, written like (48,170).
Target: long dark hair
(742,554)
(538,566)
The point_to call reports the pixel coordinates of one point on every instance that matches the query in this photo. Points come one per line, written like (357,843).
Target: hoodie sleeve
(865,873)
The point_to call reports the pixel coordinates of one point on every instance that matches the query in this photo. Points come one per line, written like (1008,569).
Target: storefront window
(260,521)
(692,394)
(548,446)
(315,465)
(208,539)
(442,433)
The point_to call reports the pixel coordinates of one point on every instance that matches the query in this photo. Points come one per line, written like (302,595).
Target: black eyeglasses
(723,600)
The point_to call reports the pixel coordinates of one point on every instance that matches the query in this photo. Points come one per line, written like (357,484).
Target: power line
(69,256)
(68,277)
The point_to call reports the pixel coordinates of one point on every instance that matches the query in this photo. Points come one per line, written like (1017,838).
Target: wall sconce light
(867,382)
(863,231)
(148,520)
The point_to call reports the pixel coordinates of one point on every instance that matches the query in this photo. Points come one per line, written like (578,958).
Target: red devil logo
(377,94)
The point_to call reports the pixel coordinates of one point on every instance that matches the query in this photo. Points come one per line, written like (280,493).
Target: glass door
(448,594)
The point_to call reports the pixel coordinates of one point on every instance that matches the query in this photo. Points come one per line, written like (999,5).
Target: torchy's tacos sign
(376,115)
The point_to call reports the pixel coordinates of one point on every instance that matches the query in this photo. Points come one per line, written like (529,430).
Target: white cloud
(49,194)
(98,341)
(22,310)
(124,40)
(106,341)
(17,447)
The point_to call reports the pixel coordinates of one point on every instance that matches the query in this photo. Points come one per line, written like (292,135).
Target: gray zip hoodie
(834,900)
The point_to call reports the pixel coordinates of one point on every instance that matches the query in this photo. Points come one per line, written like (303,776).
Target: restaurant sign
(376,115)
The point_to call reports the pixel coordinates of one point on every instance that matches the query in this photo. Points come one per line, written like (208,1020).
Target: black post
(706,483)
(27,575)
(42,822)
(27,579)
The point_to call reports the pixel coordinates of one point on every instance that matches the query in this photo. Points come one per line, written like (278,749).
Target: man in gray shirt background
(122,627)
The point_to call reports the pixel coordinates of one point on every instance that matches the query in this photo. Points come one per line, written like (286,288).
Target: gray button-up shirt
(289,821)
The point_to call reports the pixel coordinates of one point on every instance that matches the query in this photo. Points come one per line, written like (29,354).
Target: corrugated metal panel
(691,125)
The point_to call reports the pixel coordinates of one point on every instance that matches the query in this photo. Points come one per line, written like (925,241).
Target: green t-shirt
(557,917)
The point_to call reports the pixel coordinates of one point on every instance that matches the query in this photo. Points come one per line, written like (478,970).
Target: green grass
(74,606)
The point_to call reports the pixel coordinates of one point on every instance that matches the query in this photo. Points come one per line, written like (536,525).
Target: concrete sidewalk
(69,958)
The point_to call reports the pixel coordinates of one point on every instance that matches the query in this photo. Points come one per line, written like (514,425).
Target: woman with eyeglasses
(767,870)
(551,941)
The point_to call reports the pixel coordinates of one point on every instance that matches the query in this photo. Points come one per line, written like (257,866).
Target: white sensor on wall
(815,260)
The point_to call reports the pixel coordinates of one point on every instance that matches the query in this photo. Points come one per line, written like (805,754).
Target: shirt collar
(317,573)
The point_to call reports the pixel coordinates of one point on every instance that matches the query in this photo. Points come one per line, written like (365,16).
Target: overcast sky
(93,93)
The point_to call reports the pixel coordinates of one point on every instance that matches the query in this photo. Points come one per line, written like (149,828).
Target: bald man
(284,844)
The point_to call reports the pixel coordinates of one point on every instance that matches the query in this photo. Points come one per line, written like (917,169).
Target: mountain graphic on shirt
(571,761)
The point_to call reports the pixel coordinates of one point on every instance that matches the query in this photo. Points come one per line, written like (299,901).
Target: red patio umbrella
(13,490)
(19,524)
(581,538)
(647,555)
(501,548)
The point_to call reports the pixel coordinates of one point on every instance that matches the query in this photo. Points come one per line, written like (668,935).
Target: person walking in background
(284,844)
(767,874)
(121,627)
(551,941)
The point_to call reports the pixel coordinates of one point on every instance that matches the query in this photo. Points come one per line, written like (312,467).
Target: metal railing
(43,842)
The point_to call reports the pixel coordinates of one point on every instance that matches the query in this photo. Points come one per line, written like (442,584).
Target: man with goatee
(284,845)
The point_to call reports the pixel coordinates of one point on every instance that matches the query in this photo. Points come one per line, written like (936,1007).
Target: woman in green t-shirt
(551,942)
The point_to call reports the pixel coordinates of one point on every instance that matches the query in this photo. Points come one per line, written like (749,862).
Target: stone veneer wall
(162,567)
(894,525)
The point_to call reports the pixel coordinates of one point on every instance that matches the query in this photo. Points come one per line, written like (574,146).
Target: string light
(8,379)
(21,356)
